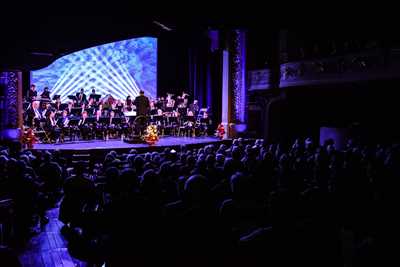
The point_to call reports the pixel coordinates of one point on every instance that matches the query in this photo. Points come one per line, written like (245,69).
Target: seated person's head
(150,182)
(220,159)
(47,156)
(240,185)
(165,169)
(128,180)
(3,161)
(112,175)
(80,168)
(197,188)
(138,162)
(210,160)
(236,153)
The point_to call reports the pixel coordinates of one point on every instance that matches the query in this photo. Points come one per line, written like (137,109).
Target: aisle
(49,248)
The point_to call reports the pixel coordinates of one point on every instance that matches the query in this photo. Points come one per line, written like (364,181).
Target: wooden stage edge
(98,146)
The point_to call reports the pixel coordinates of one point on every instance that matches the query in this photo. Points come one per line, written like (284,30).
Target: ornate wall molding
(9,81)
(238,66)
(354,67)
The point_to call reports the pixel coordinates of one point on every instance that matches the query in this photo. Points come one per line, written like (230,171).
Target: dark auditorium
(149,140)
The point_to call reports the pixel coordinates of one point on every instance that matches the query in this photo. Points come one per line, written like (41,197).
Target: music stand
(205,120)
(104,120)
(96,97)
(173,119)
(116,120)
(158,117)
(44,100)
(72,97)
(63,106)
(190,118)
(90,119)
(182,111)
(131,119)
(76,111)
(89,110)
(73,121)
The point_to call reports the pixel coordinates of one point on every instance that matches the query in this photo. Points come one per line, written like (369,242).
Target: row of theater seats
(248,203)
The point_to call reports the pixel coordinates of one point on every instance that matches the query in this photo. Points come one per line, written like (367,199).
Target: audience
(246,203)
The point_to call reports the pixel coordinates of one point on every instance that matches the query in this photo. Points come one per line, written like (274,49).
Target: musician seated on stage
(57,104)
(113,128)
(98,126)
(205,123)
(93,94)
(46,93)
(161,103)
(83,126)
(178,102)
(81,97)
(46,109)
(32,93)
(90,103)
(173,115)
(34,115)
(190,124)
(128,103)
(119,105)
(63,124)
(195,107)
(51,128)
(153,108)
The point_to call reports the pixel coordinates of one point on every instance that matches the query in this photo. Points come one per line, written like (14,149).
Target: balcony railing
(354,67)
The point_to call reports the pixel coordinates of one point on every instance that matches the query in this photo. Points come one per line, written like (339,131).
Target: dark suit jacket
(45,94)
(84,100)
(31,95)
(142,104)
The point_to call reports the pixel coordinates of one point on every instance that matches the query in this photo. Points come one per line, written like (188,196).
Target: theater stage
(99,147)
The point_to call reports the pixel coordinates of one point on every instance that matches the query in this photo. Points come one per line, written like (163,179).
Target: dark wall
(186,63)
(173,68)
(371,109)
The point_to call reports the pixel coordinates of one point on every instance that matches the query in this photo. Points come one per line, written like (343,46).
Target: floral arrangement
(151,136)
(220,131)
(29,138)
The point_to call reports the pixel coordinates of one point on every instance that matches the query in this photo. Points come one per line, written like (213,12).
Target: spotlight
(162,26)
(42,54)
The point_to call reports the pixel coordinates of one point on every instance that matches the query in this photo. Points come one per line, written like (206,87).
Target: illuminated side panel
(120,69)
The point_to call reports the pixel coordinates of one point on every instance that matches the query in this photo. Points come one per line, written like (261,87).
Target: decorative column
(11,104)
(238,77)
(226,111)
(19,106)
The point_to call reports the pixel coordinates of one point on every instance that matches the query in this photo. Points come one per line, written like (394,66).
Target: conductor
(142,104)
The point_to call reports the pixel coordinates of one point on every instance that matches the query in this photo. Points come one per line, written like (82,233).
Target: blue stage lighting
(118,69)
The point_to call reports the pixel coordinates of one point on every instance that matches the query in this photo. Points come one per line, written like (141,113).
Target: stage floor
(169,141)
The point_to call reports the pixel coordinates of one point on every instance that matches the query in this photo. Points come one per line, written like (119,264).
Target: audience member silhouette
(246,203)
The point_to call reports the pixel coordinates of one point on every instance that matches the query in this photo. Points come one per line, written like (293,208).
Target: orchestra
(82,118)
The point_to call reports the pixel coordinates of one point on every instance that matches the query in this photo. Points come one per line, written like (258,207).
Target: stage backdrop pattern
(120,69)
